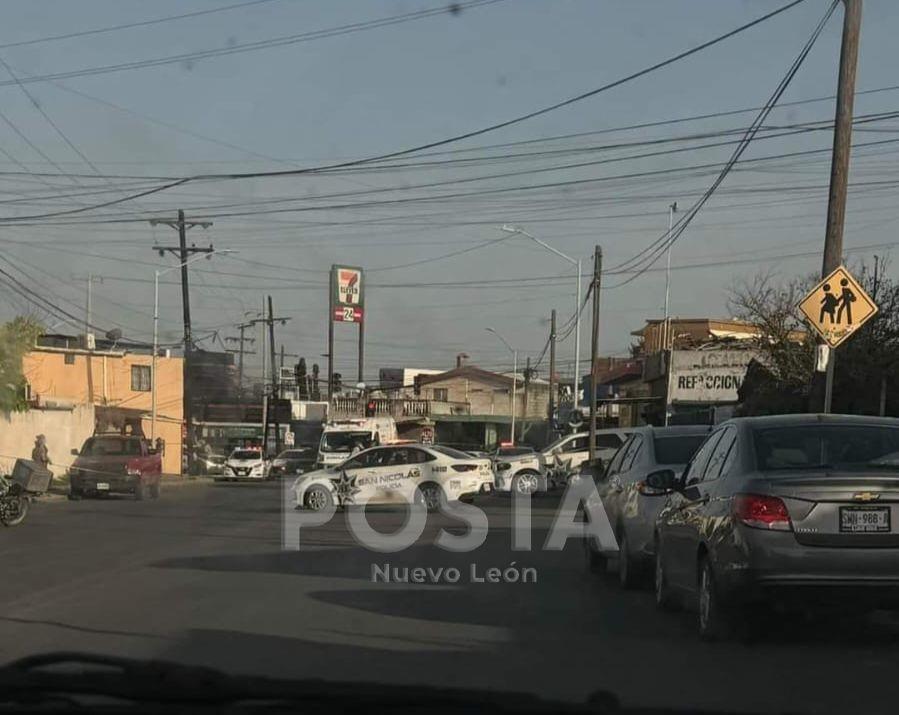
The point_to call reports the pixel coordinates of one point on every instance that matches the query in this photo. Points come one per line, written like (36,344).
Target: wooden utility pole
(594,347)
(552,377)
(527,384)
(183,225)
(839,165)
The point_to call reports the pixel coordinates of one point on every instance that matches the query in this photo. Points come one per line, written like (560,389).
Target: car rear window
(111,447)
(833,446)
(450,452)
(677,450)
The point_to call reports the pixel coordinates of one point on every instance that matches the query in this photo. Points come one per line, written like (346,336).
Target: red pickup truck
(115,464)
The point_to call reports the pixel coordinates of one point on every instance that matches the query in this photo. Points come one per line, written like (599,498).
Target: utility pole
(527,384)
(183,225)
(241,351)
(331,290)
(552,376)
(672,209)
(839,165)
(594,347)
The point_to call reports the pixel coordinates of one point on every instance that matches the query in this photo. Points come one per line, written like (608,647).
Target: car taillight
(762,512)
(465,467)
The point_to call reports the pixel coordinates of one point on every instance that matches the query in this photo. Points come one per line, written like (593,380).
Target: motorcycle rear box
(31,476)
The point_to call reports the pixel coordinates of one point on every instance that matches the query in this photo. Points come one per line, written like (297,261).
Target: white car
(520,469)
(245,463)
(574,449)
(398,474)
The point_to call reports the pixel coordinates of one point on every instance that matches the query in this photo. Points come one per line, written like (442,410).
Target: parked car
(795,510)
(573,450)
(212,464)
(396,475)
(245,463)
(622,490)
(293,461)
(520,469)
(115,464)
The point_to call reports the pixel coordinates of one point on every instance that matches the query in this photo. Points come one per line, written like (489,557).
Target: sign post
(835,308)
(345,305)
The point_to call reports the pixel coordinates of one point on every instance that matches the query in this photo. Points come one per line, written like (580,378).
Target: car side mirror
(659,483)
(75,452)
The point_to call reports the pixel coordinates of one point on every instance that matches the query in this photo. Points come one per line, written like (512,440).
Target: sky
(425,226)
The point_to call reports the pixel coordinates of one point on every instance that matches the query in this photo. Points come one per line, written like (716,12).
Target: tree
(17,337)
(866,364)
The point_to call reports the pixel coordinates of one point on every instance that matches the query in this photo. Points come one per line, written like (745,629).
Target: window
(615,464)
(696,468)
(111,447)
(676,450)
(441,394)
(140,378)
(632,451)
(578,444)
(841,446)
(608,441)
(716,463)
(408,455)
(70,358)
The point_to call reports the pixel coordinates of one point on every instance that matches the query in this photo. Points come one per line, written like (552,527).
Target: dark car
(622,489)
(797,510)
(115,464)
(293,461)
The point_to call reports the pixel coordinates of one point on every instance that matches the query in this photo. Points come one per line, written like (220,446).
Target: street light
(514,377)
(577,302)
(158,273)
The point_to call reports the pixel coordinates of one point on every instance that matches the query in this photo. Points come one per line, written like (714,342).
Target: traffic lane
(213,587)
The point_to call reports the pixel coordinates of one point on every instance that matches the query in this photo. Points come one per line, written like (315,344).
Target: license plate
(865,518)
(102,487)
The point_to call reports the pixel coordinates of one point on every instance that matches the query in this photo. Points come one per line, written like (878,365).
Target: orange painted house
(118,383)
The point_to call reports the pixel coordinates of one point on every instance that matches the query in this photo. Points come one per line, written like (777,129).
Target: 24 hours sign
(348,295)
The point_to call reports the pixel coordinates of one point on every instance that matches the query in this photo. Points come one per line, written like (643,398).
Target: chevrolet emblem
(866,496)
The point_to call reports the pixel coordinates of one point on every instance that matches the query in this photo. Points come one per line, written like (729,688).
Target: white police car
(401,474)
(245,463)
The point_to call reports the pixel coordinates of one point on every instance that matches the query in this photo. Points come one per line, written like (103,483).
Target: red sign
(348,314)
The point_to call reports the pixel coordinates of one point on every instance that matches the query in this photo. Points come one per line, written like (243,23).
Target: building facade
(118,384)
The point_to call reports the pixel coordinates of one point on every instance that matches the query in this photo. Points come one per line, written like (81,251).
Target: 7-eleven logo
(348,286)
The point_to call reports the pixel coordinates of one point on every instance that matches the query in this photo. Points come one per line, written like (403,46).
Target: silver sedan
(797,511)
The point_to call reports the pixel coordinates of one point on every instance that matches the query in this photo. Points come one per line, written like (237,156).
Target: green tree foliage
(16,338)
(867,364)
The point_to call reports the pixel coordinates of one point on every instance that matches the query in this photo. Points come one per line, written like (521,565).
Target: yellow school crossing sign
(837,307)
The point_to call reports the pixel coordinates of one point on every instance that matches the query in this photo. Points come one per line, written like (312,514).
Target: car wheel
(317,498)
(664,597)
(627,569)
(526,482)
(431,496)
(154,491)
(714,620)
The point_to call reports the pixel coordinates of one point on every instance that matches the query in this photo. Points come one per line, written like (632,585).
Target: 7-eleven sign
(348,297)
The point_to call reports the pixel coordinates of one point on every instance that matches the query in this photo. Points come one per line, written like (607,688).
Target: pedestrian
(828,305)
(40,454)
(847,298)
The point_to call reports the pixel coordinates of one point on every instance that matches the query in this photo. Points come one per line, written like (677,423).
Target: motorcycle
(28,481)
(14,502)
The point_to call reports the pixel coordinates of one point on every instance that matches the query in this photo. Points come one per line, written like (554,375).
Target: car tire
(526,482)
(715,620)
(664,598)
(317,498)
(431,496)
(154,491)
(628,568)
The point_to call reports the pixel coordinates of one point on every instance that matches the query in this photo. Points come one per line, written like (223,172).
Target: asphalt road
(200,577)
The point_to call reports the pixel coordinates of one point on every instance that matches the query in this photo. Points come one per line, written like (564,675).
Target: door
(362,476)
(679,531)
(617,494)
(409,467)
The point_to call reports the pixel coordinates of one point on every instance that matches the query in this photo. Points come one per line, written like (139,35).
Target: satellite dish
(114,335)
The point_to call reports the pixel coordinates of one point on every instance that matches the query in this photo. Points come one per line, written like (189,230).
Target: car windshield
(514,451)
(244,454)
(291,454)
(677,449)
(827,446)
(450,452)
(110,447)
(345,441)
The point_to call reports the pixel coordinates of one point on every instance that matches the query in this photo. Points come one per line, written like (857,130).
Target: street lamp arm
(516,229)
(508,347)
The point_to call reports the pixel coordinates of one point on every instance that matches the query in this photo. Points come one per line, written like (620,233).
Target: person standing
(40,453)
